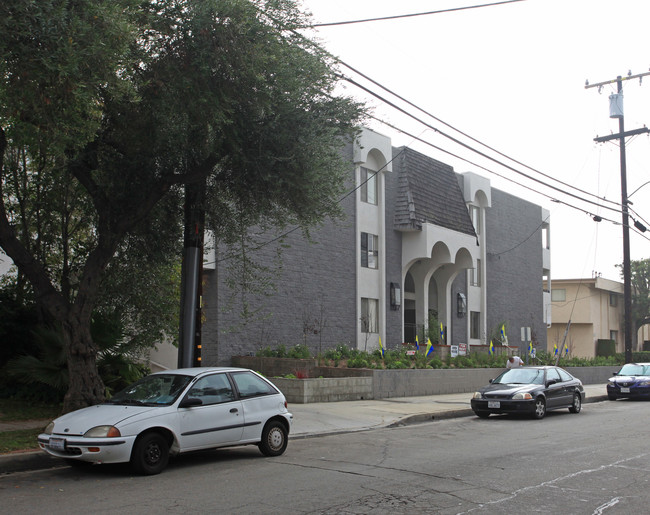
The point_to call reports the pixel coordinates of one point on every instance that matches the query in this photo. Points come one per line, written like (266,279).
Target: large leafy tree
(109,107)
(640,281)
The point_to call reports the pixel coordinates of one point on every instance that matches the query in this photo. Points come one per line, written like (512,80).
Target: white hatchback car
(173,412)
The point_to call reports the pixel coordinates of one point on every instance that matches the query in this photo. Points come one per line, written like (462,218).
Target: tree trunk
(85,386)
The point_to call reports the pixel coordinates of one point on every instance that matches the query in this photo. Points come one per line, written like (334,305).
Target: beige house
(595,308)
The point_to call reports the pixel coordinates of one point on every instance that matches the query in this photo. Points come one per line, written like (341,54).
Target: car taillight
(286,405)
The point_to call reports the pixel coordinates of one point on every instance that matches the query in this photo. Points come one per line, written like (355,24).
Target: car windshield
(521,376)
(635,370)
(153,390)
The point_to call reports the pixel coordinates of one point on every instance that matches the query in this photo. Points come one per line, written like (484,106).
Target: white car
(173,412)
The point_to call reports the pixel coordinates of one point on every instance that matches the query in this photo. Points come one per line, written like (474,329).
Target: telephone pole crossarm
(626,134)
(615,81)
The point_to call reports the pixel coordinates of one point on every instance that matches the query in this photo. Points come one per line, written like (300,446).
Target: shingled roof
(428,193)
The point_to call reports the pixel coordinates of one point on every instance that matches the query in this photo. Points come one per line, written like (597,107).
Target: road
(595,462)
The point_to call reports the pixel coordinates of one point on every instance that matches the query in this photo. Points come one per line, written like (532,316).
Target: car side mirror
(190,402)
(550,382)
(615,373)
(491,381)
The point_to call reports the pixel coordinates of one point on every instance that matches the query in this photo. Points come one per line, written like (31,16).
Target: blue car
(632,381)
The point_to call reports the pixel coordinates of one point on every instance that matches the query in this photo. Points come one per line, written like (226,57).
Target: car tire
(540,408)
(275,438)
(150,454)
(577,403)
(482,414)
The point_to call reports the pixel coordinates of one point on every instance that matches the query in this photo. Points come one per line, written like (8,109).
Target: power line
(399,16)
(468,147)
(408,102)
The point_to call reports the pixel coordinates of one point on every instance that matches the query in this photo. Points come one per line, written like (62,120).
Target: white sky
(513,77)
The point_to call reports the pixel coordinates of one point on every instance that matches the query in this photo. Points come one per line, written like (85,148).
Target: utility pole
(627,280)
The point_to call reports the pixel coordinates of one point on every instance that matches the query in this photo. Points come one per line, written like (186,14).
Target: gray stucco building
(419,245)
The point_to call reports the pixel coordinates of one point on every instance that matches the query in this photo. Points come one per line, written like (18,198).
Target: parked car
(173,412)
(631,381)
(529,390)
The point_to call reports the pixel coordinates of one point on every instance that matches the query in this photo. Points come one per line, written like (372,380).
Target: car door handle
(234,410)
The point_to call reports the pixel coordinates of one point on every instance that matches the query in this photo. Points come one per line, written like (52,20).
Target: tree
(640,281)
(112,106)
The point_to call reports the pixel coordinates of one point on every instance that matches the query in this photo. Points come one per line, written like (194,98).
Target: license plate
(624,389)
(494,404)
(58,444)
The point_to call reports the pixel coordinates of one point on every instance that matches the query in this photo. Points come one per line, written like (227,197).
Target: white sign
(454,351)
(525,334)
(462,349)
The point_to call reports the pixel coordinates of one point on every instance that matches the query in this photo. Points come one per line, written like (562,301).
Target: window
(475,325)
(552,374)
(475,214)
(213,389)
(369,310)
(558,295)
(368,186)
(613,300)
(546,241)
(613,335)
(251,385)
(369,252)
(475,274)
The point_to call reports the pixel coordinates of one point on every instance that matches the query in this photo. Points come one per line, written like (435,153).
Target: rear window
(252,385)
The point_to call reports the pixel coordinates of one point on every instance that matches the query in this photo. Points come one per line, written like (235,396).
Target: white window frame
(368,187)
(369,315)
(369,250)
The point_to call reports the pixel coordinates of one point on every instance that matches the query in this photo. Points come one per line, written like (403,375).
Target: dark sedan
(529,390)
(632,381)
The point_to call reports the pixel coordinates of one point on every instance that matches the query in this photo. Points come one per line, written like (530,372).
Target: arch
(464,259)
(440,254)
(375,160)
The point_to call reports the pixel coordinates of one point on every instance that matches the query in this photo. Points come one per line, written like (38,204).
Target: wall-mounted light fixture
(461,305)
(395,296)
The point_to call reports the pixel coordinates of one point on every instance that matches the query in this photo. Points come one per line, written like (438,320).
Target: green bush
(300,351)
(358,362)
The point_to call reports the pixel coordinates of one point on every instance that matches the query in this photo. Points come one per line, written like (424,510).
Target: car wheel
(150,454)
(577,403)
(274,439)
(540,408)
(611,397)
(482,414)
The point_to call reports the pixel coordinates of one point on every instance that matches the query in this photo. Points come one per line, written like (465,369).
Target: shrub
(358,362)
(300,351)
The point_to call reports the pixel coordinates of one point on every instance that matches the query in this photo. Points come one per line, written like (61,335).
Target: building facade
(419,247)
(596,309)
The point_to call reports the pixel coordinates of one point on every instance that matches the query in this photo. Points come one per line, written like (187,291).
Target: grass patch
(21,440)
(16,409)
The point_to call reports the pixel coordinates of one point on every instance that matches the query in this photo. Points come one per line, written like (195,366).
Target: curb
(28,461)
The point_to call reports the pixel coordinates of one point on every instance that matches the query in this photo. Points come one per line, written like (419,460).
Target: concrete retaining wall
(302,391)
(326,384)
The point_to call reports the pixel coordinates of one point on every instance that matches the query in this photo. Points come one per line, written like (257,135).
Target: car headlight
(610,383)
(50,427)
(103,432)
(644,383)
(522,396)
(477,395)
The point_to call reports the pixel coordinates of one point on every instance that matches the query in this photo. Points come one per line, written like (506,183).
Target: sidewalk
(319,419)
